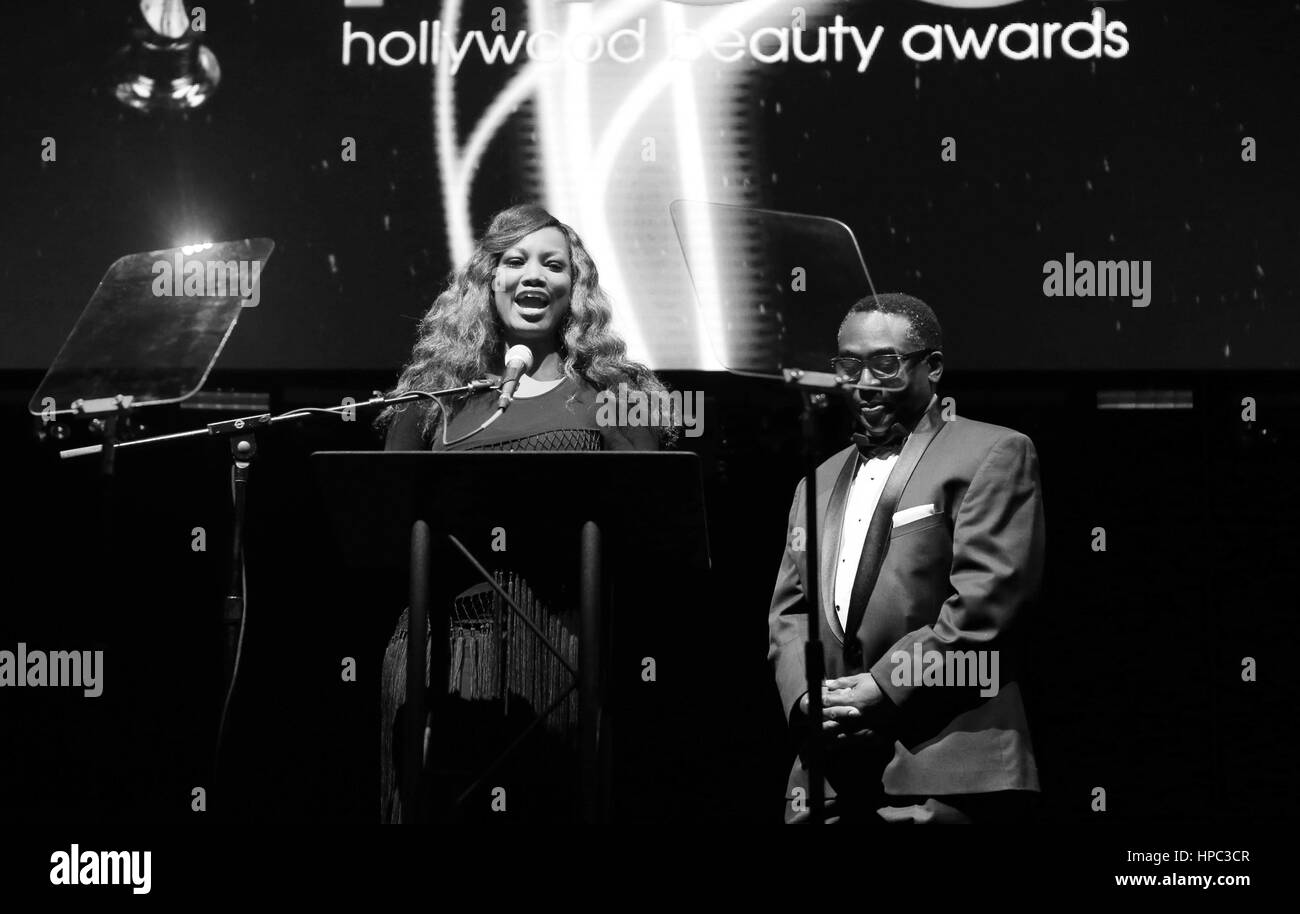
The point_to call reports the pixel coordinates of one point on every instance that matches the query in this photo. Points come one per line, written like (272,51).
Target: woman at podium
(529,282)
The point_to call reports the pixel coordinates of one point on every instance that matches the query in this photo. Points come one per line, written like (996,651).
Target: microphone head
(520,353)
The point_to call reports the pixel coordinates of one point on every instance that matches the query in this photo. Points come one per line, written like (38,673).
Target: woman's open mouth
(532,301)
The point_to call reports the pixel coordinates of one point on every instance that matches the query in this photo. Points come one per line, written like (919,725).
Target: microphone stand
(813,387)
(242,435)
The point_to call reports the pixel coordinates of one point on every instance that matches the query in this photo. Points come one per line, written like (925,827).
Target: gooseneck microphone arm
(249,424)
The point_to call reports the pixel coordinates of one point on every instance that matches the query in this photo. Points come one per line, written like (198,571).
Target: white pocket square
(907,515)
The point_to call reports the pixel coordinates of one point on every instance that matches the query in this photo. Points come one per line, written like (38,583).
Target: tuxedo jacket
(958,569)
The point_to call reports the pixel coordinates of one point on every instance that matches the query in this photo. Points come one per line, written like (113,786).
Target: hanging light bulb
(165,67)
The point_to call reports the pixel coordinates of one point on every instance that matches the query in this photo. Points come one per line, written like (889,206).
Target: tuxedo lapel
(877,541)
(829,541)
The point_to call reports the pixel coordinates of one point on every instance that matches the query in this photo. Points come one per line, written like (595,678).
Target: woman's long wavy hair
(460,336)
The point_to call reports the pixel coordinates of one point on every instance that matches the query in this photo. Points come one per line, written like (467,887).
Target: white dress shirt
(864,494)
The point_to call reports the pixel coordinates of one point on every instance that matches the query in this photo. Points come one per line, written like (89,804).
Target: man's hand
(844,701)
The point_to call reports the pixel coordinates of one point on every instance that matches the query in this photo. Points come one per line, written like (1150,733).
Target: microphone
(519,360)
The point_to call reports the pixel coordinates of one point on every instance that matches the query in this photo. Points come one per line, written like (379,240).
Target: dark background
(1135,671)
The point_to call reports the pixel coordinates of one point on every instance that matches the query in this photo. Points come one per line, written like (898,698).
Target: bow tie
(891,443)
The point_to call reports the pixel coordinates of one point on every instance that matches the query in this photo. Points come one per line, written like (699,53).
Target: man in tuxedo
(930,548)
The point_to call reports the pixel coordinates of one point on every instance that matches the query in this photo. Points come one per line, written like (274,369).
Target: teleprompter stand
(772,288)
(144,343)
(387,507)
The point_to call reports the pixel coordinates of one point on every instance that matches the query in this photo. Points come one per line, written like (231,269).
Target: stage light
(165,67)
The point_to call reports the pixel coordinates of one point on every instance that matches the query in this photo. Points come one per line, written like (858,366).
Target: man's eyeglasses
(883,367)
